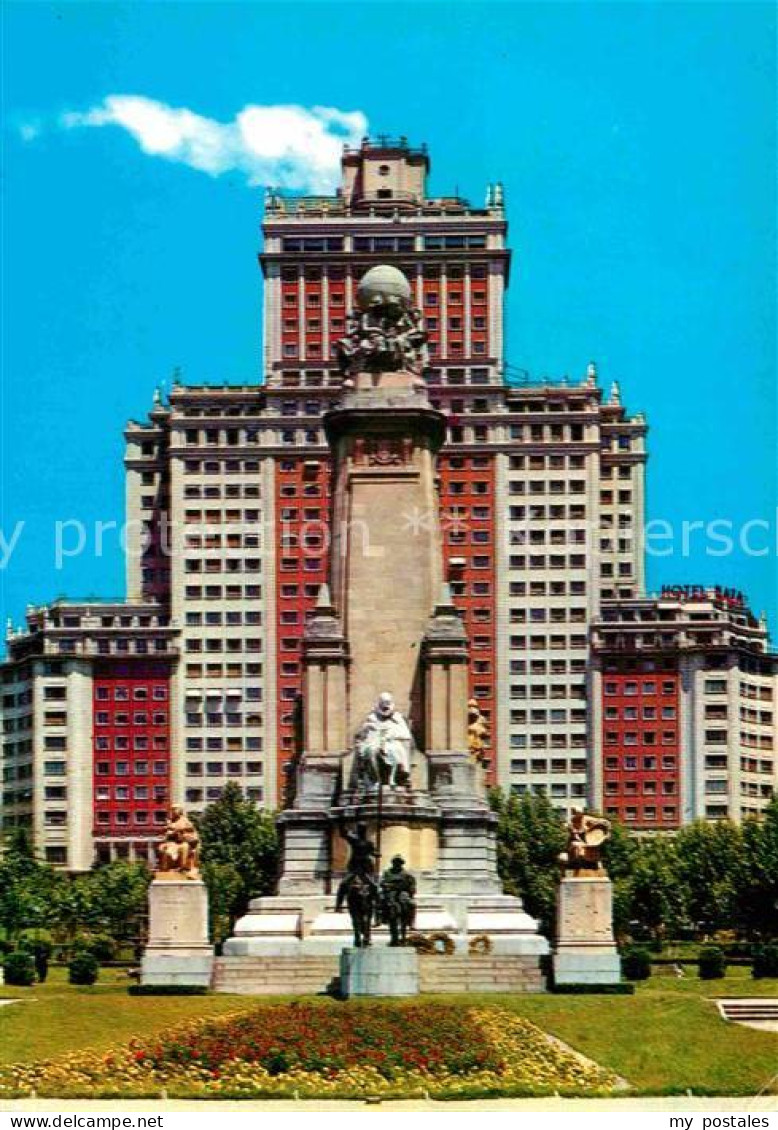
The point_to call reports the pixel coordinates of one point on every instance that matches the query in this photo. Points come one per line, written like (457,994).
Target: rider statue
(383,747)
(361,864)
(398,905)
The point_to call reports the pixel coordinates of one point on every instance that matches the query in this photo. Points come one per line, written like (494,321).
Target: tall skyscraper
(541,503)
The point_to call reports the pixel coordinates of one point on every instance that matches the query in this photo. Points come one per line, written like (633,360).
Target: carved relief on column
(382,451)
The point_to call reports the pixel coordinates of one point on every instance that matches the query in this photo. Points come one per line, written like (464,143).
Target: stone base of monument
(585,951)
(178,951)
(308,925)
(379,971)
(287,944)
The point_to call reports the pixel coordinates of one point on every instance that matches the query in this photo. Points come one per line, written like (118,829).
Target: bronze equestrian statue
(359,889)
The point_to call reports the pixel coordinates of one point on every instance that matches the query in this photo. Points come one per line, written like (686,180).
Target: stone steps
(264,975)
(438,973)
(762,1008)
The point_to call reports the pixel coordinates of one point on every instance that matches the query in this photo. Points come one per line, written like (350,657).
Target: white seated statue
(383,747)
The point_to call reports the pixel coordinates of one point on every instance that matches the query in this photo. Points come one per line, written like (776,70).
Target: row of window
(630,713)
(122,818)
(543,765)
(546,643)
(631,762)
(647,687)
(214,645)
(232,745)
(557,790)
(230,490)
(229,670)
(139,694)
(139,718)
(196,796)
(122,742)
(138,768)
(230,619)
(138,792)
(545,666)
(219,768)
(227,592)
(228,565)
(647,788)
(647,814)
(554,717)
(544,741)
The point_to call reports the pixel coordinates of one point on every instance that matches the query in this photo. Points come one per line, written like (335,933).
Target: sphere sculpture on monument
(385,333)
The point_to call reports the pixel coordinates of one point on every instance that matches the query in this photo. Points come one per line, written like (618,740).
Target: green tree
(225,892)
(530,836)
(27,888)
(234,831)
(758,894)
(712,871)
(118,893)
(654,894)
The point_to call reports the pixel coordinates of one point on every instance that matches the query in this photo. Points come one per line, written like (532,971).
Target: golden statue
(179,852)
(477,731)
(585,836)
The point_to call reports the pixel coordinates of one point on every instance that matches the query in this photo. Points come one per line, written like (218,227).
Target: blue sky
(637,144)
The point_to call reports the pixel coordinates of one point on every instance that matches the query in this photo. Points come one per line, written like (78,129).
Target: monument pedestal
(178,951)
(379,971)
(585,951)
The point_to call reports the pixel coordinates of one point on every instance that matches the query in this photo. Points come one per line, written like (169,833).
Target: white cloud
(294,147)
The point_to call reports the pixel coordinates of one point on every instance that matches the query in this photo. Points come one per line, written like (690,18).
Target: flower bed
(326,1050)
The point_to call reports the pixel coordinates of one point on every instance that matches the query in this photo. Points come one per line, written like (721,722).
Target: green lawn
(668,1038)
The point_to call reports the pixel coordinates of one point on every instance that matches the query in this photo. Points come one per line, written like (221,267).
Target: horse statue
(361,902)
(398,906)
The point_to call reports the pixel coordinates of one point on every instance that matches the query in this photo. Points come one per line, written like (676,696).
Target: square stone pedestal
(585,951)
(379,971)
(178,951)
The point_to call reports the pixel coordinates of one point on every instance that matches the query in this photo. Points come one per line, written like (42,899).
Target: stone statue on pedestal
(179,852)
(585,836)
(398,905)
(383,748)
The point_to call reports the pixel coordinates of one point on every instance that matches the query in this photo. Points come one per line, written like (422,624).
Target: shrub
(636,964)
(711,963)
(83,969)
(19,968)
(765,960)
(38,944)
(101,946)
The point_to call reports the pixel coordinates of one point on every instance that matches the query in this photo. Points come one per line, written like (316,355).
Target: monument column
(386,561)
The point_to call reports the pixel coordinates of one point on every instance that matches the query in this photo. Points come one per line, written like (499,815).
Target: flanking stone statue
(178,951)
(585,951)
(179,852)
(585,836)
(398,901)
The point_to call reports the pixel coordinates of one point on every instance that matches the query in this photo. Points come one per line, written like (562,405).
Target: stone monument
(178,951)
(385,692)
(585,951)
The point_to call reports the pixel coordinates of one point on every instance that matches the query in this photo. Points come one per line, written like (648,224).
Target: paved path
(683,1103)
